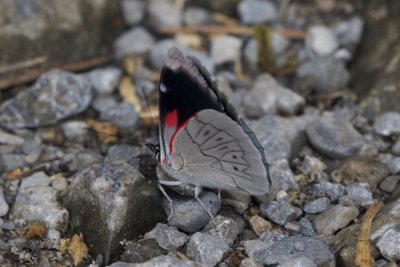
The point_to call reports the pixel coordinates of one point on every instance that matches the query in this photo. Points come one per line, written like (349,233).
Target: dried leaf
(14,174)
(131,64)
(35,230)
(189,40)
(149,116)
(64,244)
(77,249)
(127,90)
(106,131)
(363,248)
(262,34)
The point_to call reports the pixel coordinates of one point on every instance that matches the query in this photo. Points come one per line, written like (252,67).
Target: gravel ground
(71,196)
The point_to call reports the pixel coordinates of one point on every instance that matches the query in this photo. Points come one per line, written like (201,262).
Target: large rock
(110,203)
(58,30)
(58,94)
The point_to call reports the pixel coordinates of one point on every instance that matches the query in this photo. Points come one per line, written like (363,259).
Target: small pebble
(36,179)
(225,229)
(321,41)
(334,137)
(389,244)
(188,215)
(225,49)
(59,183)
(132,11)
(10,139)
(259,225)
(396,147)
(123,115)
(4,207)
(317,206)
(335,218)
(75,129)
(280,212)
(164,13)
(104,80)
(196,16)
(360,193)
(394,165)
(251,262)
(349,32)
(257,12)
(135,42)
(8,226)
(333,190)
(306,227)
(328,73)
(282,173)
(389,183)
(298,262)
(388,124)
(206,249)
(168,237)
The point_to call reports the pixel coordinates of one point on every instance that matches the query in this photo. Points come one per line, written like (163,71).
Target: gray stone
(164,13)
(349,32)
(318,205)
(75,129)
(104,80)
(389,244)
(396,147)
(59,183)
(332,190)
(257,12)
(123,153)
(36,179)
(388,124)
(281,138)
(135,42)
(188,215)
(389,183)
(335,218)
(3,204)
(10,139)
(123,115)
(298,262)
(251,262)
(290,248)
(119,204)
(343,54)
(168,237)
(312,165)
(9,162)
(394,165)
(132,11)
(280,212)
(225,229)
(334,137)
(206,249)
(161,261)
(321,41)
(225,49)
(8,226)
(360,193)
(268,96)
(362,170)
(282,173)
(58,94)
(39,204)
(306,227)
(196,16)
(141,251)
(103,103)
(329,74)
(82,159)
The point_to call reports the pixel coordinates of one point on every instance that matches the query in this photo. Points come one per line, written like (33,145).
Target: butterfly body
(202,140)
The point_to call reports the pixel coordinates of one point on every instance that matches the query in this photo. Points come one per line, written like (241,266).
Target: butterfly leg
(197,191)
(169,200)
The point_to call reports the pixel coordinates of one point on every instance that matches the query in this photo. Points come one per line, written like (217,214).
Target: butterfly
(203,142)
